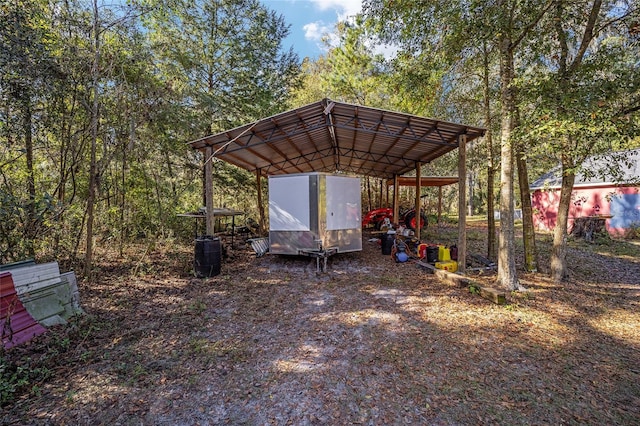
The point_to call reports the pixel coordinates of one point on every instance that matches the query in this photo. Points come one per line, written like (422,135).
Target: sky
(310,20)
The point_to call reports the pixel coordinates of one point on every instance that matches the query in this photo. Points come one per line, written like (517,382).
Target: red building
(597,191)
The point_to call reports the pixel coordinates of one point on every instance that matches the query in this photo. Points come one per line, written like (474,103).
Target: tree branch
(629,110)
(531,25)
(611,22)
(587,36)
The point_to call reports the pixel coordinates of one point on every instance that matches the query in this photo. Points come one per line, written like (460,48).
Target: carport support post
(418,191)
(462,203)
(386,203)
(439,204)
(208,189)
(260,205)
(396,200)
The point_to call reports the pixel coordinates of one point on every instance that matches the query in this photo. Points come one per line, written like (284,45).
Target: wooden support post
(417,205)
(208,190)
(462,203)
(439,204)
(387,198)
(263,222)
(396,200)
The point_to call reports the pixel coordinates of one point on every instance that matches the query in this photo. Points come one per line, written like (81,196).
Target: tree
(225,59)
(313,84)
(349,72)
(99,29)
(27,69)
(357,75)
(491,167)
(514,27)
(448,30)
(582,97)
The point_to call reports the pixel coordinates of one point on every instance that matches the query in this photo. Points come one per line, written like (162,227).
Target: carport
(336,137)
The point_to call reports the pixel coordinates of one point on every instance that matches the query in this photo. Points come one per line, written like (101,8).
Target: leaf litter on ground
(370,341)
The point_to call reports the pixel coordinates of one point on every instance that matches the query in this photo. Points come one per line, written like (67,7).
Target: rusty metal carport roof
(330,136)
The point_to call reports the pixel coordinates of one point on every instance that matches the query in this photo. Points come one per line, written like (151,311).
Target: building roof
(615,168)
(329,136)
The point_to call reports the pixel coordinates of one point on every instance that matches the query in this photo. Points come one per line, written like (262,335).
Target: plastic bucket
(208,256)
(432,254)
(387,243)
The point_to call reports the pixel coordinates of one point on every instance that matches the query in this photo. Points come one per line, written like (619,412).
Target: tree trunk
(491,169)
(506,256)
(30,229)
(88,259)
(491,220)
(462,220)
(528,231)
(123,196)
(559,268)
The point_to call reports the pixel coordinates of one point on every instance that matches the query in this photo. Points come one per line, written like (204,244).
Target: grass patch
(605,245)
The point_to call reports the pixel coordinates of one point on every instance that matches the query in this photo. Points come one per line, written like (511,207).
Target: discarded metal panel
(73,306)
(15,265)
(51,298)
(38,289)
(35,277)
(259,245)
(17,326)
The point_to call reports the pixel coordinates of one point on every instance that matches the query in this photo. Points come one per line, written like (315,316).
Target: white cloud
(319,30)
(315,30)
(343,8)
(324,34)
(321,34)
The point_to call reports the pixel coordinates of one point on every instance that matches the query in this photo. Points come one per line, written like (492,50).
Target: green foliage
(23,376)
(185,70)
(12,379)
(577,106)
(219,54)
(14,245)
(349,72)
(632,232)
(16,378)
(357,75)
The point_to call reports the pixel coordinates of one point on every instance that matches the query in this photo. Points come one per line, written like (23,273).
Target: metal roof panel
(329,136)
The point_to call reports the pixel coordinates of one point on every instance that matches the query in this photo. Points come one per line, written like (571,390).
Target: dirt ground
(270,341)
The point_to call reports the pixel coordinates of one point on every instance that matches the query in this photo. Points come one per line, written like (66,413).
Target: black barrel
(387,243)
(208,256)
(432,254)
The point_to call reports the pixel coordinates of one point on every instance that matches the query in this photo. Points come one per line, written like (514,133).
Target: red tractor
(376,217)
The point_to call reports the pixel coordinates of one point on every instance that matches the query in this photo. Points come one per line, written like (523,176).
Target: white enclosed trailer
(315,214)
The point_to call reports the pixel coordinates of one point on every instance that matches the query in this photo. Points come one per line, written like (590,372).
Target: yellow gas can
(444,254)
(449,265)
